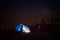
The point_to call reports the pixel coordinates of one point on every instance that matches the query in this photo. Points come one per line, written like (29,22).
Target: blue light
(19,28)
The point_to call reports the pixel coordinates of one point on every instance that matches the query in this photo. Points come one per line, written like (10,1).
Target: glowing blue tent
(22,28)
(19,28)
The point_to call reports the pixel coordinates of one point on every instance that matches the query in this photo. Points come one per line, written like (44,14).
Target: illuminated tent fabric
(26,29)
(19,28)
(22,28)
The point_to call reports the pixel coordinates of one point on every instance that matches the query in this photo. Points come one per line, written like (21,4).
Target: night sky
(13,12)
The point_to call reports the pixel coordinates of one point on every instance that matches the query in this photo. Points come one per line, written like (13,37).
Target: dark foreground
(52,34)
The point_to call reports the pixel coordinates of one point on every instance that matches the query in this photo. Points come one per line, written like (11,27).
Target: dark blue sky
(52,5)
(27,11)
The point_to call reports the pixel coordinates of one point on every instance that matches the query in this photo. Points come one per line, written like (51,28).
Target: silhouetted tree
(47,20)
(43,21)
(51,20)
